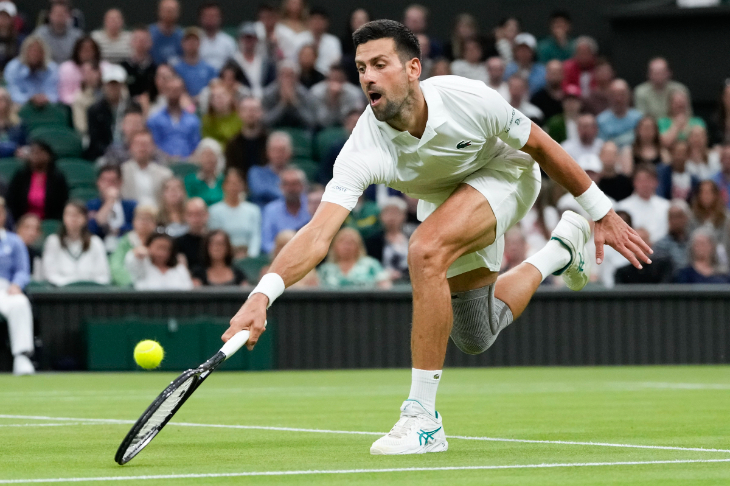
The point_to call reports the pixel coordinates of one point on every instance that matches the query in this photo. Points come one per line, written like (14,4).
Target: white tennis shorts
(510,197)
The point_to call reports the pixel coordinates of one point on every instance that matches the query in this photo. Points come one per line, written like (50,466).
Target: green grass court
(519,426)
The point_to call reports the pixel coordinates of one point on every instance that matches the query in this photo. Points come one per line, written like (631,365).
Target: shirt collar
(436,113)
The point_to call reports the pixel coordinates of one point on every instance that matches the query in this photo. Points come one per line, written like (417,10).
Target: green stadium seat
(326,139)
(64,141)
(310,168)
(182,169)
(50,226)
(78,172)
(252,267)
(84,193)
(50,115)
(9,166)
(301,142)
(85,283)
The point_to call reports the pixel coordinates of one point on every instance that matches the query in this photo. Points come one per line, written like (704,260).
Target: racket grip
(235,343)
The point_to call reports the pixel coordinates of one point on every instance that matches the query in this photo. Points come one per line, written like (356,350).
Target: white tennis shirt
(469,126)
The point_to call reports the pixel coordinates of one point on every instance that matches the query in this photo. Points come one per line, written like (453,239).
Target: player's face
(383,77)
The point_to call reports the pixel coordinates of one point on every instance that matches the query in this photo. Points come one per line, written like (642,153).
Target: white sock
(424,384)
(553,257)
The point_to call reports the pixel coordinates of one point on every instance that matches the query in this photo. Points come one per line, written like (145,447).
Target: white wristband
(594,202)
(271,285)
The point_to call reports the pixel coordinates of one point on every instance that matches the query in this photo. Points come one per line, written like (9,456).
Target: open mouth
(375,98)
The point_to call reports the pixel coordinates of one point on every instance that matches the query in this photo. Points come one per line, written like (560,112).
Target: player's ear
(413,68)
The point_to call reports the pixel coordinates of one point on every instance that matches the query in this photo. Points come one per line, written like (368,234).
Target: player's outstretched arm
(609,229)
(308,247)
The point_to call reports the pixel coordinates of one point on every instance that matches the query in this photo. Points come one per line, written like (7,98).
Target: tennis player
(474,163)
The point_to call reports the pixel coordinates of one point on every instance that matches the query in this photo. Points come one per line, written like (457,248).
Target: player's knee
(426,256)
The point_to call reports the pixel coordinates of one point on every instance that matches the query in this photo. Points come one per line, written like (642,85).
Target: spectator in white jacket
(75,254)
(156,266)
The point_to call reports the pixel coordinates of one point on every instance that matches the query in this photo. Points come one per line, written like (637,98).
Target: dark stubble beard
(394,109)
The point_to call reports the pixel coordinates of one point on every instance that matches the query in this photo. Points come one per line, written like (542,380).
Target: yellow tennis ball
(148,354)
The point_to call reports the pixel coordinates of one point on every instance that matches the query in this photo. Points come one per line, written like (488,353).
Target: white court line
(354,471)
(355,432)
(64,424)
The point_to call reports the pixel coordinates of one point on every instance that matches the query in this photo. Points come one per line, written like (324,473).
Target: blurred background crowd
(164,157)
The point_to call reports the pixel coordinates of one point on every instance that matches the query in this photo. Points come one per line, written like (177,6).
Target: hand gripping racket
(171,399)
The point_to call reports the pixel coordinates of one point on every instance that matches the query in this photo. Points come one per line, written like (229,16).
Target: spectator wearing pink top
(70,75)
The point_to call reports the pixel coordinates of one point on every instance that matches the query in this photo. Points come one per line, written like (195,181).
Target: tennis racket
(171,399)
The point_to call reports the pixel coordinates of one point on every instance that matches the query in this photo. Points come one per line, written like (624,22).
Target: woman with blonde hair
(221,122)
(349,266)
(172,207)
(708,210)
(12,132)
(207,183)
(702,163)
(679,121)
(294,15)
(703,260)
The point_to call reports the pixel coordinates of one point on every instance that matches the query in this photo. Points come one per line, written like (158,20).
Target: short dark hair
(209,4)
(172,260)
(76,52)
(406,42)
(110,168)
(560,14)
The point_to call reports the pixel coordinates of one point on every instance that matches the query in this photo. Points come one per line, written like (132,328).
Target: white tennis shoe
(418,431)
(22,365)
(573,232)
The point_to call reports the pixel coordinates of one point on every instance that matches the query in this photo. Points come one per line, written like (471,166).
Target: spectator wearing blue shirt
(524,63)
(617,123)
(722,178)
(237,217)
(175,131)
(288,213)
(14,305)
(704,263)
(166,34)
(32,76)
(195,72)
(263,182)
(110,216)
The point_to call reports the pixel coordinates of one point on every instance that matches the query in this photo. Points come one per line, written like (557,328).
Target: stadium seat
(310,168)
(64,141)
(326,139)
(49,227)
(9,166)
(50,115)
(301,142)
(78,172)
(85,283)
(252,267)
(85,194)
(182,169)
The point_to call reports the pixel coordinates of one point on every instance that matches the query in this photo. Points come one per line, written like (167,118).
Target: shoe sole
(435,447)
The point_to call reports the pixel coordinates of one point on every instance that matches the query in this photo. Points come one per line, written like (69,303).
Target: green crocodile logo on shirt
(463,143)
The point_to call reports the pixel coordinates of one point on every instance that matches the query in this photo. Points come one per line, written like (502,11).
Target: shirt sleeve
(500,119)
(21,276)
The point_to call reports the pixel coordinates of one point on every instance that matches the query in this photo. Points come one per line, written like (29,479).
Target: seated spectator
(105,115)
(258,71)
(564,126)
(675,245)
(471,64)
(112,39)
(558,45)
(157,99)
(29,230)
(289,212)
(12,132)
(166,34)
(505,34)
(308,74)
(155,266)
(464,27)
(424,45)
(118,151)
(390,246)
(216,47)
(263,182)
(709,211)
(248,148)
(660,270)
(524,63)
(309,281)
(144,225)
(329,50)
(549,98)
(74,254)
(614,184)
(364,217)
(14,305)
(59,34)
(515,249)
(675,182)
(703,264)
(10,37)
(587,141)
(142,179)
(722,178)
(32,77)
(190,245)
(579,68)
(89,92)
(702,162)
(647,210)
(175,131)
(195,72)
(327,163)
(440,67)
(171,218)
(276,40)
(415,17)
(597,100)
(518,98)
(218,269)
(229,77)
(647,147)
(617,123)
(349,266)
(38,188)
(207,183)
(679,121)
(720,127)
(221,122)
(294,16)
(652,96)
(110,216)
(335,98)
(140,66)
(286,102)
(495,76)
(237,217)
(70,77)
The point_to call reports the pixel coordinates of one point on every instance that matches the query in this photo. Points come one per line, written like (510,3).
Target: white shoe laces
(403,426)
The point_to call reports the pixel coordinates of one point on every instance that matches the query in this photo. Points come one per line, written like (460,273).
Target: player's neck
(413,116)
